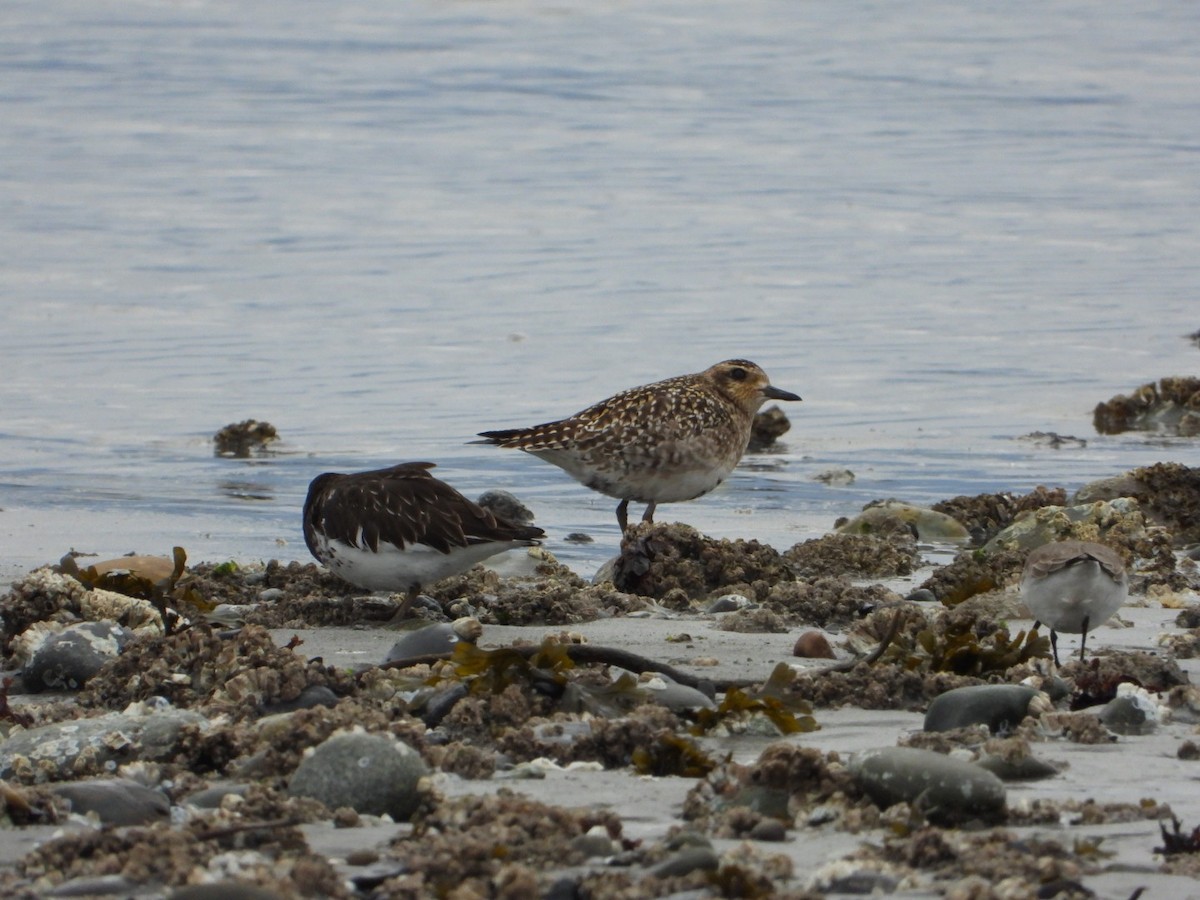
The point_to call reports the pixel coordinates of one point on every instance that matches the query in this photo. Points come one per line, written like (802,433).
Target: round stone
(372,774)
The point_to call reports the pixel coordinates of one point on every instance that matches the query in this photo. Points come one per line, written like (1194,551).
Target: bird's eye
(737,373)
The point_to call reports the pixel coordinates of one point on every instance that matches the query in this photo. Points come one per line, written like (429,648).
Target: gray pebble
(1025,768)
(1125,715)
(922,595)
(595,843)
(427,641)
(371,773)
(115,801)
(312,696)
(943,788)
(1000,707)
(270,595)
(94,886)
(728,603)
(65,661)
(224,890)
(769,830)
(211,796)
(687,860)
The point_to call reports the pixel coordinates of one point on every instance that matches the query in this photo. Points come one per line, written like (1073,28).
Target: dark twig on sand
(213,834)
(633,662)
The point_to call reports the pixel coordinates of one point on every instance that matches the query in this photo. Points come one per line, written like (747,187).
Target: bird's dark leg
(1083,638)
(648,515)
(1054,644)
(623,515)
(405,605)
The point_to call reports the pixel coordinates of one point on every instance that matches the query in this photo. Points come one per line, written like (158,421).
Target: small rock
(224,890)
(211,796)
(312,696)
(504,505)
(270,595)
(835,477)
(728,603)
(373,774)
(115,801)
(945,789)
(1024,768)
(240,439)
(427,641)
(65,661)
(1000,707)
(595,843)
(1188,751)
(769,830)
(928,524)
(673,695)
(813,645)
(1129,714)
(578,537)
(690,859)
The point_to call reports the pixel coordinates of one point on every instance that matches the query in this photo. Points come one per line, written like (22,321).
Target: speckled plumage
(1074,586)
(401,529)
(666,442)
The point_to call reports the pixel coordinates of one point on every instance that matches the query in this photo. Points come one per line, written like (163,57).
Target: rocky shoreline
(170,727)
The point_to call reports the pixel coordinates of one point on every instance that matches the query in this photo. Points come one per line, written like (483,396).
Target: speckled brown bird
(401,529)
(1074,586)
(665,442)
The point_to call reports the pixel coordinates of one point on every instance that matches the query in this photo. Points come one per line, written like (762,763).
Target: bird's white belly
(393,569)
(1064,599)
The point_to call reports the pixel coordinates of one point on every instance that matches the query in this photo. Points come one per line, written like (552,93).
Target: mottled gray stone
(942,787)
(115,737)
(370,773)
(65,661)
(1000,707)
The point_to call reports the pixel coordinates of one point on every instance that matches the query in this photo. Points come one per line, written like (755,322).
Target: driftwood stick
(613,656)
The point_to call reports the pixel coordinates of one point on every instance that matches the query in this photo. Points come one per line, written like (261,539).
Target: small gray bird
(1074,586)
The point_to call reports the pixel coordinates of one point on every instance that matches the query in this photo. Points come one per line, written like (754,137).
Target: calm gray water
(385,226)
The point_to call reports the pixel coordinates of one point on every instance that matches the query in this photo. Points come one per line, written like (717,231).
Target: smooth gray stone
(1125,715)
(116,801)
(944,788)
(65,661)
(370,773)
(687,860)
(312,696)
(223,890)
(95,886)
(1000,707)
(115,737)
(1028,768)
(427,641)
(211,796)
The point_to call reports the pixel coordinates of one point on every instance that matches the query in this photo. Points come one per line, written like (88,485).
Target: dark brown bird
(665,442)
(401,529)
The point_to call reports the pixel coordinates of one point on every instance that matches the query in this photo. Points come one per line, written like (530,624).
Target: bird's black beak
(773,393)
